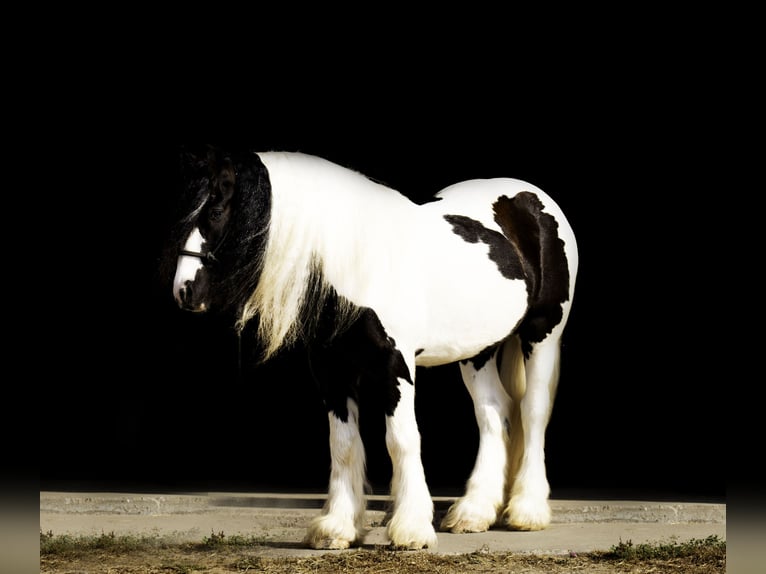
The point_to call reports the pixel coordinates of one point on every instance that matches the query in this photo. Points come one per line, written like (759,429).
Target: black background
(144,396)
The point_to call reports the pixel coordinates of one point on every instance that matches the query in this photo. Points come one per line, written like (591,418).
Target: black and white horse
(375,286)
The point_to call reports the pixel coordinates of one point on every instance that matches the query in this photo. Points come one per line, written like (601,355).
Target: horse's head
(224,232)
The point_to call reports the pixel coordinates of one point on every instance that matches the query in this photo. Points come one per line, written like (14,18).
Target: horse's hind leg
(478,509)
(532,396)
(341,522)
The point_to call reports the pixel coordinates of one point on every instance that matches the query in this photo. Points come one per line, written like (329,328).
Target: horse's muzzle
(185,298)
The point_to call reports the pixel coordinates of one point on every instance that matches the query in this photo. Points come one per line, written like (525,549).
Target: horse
(375,285)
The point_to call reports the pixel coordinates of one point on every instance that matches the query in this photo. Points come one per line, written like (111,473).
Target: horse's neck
(333,209)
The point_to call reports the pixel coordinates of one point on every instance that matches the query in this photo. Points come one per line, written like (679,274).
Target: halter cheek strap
(206,258)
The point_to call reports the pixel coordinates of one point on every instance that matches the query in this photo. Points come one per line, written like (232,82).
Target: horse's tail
(514,379)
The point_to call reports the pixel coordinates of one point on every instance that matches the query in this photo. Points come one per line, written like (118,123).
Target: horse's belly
(469,317)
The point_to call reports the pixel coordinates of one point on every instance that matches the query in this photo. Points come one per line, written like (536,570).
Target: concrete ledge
(564,511)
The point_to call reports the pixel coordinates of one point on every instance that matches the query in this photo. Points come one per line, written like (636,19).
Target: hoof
(414,545)
(527,515)
(465,516)
(327,543)
(412,538)
(465,526)
(327,533)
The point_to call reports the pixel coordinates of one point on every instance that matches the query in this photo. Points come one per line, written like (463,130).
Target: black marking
(482,357)
(540,251)
(418,351)
(473,231)
(425,200)
(361,354)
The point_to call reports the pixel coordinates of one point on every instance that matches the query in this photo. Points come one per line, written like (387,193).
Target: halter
(206,258)
(209,258)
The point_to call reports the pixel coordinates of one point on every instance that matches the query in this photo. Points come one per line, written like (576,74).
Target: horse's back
(474,195)
(316,179)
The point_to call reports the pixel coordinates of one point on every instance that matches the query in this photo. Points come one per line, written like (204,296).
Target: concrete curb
(564,511)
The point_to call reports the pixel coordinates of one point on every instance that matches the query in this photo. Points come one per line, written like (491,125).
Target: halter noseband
(208,258)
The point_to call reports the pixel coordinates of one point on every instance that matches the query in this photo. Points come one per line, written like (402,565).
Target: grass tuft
(219,540)
(710,548)
(65,544)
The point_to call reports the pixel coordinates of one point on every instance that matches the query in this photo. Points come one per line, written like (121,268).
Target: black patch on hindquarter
(362,354)
(473,231)
(529,248)
(534,237)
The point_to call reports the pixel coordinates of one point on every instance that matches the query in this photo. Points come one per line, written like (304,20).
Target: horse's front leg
(411,522)
(341,522)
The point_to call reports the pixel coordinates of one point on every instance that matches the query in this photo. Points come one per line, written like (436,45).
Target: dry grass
(218,554)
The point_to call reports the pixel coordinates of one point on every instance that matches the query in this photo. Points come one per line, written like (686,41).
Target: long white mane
(321,215)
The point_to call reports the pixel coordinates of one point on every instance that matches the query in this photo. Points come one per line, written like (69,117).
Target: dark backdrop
(143,396)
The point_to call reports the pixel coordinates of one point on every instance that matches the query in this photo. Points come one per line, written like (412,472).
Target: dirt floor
(376,560)
(119,533)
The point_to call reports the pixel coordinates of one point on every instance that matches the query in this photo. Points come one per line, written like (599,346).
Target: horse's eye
(216,213)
